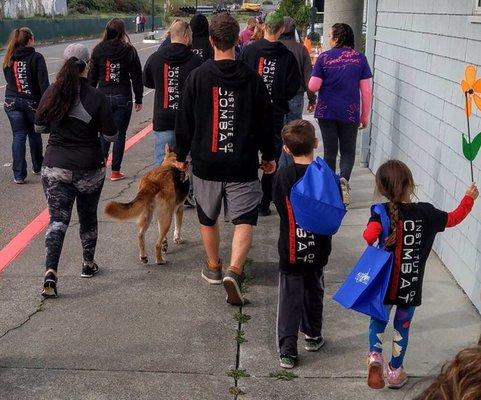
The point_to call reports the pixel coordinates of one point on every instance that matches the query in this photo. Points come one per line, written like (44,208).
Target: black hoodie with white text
(27,77)
(278,68)
(166,71)
(224,120)
(200,37)
(114,67)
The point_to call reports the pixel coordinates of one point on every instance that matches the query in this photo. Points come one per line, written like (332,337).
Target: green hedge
(64,28)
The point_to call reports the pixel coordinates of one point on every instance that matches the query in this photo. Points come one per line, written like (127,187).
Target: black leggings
(62,187)
(338,135)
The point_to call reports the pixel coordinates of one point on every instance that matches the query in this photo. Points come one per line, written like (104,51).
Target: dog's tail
(133,209)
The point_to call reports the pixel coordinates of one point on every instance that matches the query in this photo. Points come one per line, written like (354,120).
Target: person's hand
(137,107)
(311,107)
(269,167)
(181,166)
(473,191)
(363,124)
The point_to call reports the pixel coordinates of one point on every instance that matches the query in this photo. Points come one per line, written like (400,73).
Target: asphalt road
(19,204)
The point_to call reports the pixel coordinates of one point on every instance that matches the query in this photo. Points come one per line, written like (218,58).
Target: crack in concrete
(37,310)
(153,371)
(129,183)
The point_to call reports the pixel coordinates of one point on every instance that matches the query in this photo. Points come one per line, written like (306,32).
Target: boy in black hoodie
(224,121)
(278,68)
(302,254)
(166,71)
(200,37)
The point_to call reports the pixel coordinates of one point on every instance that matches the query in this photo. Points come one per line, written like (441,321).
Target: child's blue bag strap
(380,210)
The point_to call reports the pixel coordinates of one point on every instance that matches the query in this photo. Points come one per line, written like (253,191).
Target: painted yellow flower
(470,86)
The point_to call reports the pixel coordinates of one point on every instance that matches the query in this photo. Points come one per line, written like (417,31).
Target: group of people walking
(220,108)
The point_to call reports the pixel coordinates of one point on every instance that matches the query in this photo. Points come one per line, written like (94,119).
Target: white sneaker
(346,191)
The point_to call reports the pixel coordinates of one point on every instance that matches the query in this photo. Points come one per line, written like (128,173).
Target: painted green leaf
(471,150)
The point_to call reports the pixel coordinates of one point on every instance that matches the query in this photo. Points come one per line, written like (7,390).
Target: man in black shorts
(224,120)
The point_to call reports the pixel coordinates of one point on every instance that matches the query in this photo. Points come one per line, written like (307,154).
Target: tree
(298,10)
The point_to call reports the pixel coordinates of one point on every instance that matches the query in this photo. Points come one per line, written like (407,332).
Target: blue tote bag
(365,288)
(316,200)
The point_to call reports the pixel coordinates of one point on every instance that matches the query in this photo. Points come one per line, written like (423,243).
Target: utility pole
(350,12)
(153,15)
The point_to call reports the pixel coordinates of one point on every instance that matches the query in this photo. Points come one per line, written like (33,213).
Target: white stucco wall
(29,8)
(421,50)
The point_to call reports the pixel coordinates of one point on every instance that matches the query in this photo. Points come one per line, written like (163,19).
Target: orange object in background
(308,44)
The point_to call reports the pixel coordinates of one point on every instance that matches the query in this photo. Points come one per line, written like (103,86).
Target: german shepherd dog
(162,192)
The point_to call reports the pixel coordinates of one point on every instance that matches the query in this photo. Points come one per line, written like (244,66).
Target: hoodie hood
(270,49)
(230,73)
(113,49)
(199,26)
(176,53)
(21,53)
(289,29)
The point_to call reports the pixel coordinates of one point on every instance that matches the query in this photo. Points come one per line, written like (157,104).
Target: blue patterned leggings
(402,323)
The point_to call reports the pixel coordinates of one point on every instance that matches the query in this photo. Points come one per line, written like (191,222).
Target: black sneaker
(232,284)
(50,284)
(89,270)
(314,344)
(287,362)
(214,277)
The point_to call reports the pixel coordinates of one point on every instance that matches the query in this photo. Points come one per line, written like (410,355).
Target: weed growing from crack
(237,374)
(240,338)
(39,308)
(241,317)
(236,391)
(246,282)
(283,375)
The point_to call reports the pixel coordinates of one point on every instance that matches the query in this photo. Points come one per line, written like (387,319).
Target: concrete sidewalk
(140,331)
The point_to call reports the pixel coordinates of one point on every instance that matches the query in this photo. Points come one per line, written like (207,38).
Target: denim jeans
(21,114)
(162,138)
(121,106)
(296,107)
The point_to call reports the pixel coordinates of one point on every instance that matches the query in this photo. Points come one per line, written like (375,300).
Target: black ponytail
(64,91)
(343,34)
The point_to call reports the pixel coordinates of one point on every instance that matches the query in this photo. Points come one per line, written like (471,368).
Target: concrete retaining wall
(30,8)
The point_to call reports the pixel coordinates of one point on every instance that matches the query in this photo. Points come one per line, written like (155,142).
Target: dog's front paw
(144,260)
(178,239)
(161,262)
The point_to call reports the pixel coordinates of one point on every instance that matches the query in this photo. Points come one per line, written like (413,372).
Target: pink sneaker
(375,373)
(117,176)
(396,378)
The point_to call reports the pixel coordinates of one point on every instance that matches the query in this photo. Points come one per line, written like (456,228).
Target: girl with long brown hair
(27,79)
(413,229)
(115,69)
(74,113)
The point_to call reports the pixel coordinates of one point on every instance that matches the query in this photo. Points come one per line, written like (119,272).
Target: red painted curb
(21,241)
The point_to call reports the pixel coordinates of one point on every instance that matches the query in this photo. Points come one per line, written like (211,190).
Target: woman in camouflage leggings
(73,113)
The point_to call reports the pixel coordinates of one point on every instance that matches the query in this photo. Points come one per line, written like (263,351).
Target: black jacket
(298,249)
(225,118)
(115,66)
(303,59)
(200,37)
(28,76)
(279,70)
(74,141)
(166,71)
